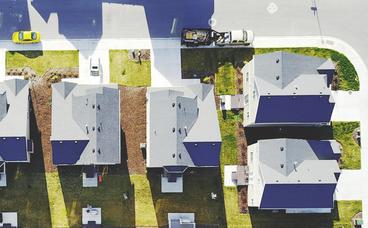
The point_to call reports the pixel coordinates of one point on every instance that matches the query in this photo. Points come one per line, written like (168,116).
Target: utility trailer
(206,37)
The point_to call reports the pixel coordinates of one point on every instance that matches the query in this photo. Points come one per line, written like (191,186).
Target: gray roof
(88,112)
(176,115)
(14,108)
(294,161)
(284,73)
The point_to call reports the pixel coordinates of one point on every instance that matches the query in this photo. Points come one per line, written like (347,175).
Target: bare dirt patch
(133,121)
(41,105)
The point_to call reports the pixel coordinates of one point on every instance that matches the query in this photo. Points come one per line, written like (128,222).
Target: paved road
(72,19)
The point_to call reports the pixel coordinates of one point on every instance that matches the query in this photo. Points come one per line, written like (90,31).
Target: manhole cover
(272,8)
(212,22)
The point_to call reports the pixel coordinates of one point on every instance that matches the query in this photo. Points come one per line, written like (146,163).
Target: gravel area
(133,121)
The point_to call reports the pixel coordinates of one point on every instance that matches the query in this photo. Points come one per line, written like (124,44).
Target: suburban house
(85,125)
(295,175)
(282,88)
(15,142)
(182,131)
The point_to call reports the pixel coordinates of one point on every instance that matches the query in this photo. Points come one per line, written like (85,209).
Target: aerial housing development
(183,114)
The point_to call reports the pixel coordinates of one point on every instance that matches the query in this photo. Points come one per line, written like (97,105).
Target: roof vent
(93,106)
(180,156)
(99,151)
(93,150)
(179,105)
(277,60)
(173,155)
(173,105)
(179,130)
(282,166)
(282,148)
(86,101)
(87,129)
(296,87)
(98,107)
(277,77)
(93,128)
(186,130)
(295,164)
(173,129)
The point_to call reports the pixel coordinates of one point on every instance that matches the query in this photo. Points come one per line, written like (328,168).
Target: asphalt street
(87,19)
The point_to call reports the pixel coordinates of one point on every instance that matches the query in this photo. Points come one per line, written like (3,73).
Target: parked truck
(205,37)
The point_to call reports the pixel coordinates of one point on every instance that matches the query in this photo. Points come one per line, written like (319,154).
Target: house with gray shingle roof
(15,142)
(85,124)
(282,88)
(182,130)
(293,174)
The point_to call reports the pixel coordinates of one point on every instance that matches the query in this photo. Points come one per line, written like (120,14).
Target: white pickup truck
(206,37)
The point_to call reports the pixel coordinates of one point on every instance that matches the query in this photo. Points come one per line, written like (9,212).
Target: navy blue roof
(67,152)
(323,150)
(13,148)
(299,109)
(282,196)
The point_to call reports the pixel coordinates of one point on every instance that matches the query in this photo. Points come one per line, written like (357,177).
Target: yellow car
(26,37)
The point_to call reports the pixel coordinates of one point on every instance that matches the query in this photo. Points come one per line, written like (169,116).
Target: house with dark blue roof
(15,143)
(182,131)
(282,88)
(295,175)
(85,126)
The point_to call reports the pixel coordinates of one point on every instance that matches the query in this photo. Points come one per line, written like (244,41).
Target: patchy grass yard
(41,61)
(348,77)
(198,185)
(26,194)
(109,196)
(343,133)
(128,72)
(225,80)
(340,217)
(343,212)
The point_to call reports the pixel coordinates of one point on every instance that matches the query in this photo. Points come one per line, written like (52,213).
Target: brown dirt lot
(133,121)
(41,105)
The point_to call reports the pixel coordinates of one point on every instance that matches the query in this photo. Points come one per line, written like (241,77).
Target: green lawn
(41,61)
(343,133)
(348,77)
(26,194)
(128,72)
(343,212)
(108,196)
(225,82)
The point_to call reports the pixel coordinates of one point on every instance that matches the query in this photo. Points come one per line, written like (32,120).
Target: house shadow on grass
(198,185)
(201,62)
(266,219)
(116,211)
(29,54)
(253,134)
(109,195)
(26,192)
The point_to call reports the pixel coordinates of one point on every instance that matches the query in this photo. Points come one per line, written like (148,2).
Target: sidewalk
(347,106)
